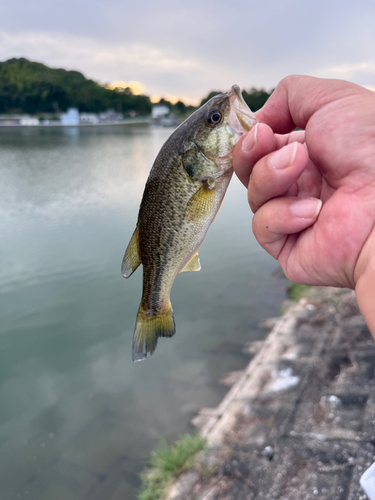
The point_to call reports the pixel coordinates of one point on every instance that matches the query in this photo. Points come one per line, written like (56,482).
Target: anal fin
(131,259)
(193,264)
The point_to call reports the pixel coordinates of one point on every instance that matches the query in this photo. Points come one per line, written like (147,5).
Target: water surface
(77,417)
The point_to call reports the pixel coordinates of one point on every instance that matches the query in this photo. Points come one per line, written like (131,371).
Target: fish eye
(215,117)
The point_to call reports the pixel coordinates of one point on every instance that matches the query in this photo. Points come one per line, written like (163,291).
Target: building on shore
(110,116)
(159,110)
(161,115)
(29,121)
(18,119)
(71,117)
(88,118)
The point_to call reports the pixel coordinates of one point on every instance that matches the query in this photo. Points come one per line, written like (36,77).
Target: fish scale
(182,195)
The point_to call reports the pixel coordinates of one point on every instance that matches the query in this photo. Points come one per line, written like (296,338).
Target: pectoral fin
(131,259)
(193,264)
(201,205)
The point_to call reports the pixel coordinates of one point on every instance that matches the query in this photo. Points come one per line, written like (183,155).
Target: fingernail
(284,157)
(308,208)
(250,140)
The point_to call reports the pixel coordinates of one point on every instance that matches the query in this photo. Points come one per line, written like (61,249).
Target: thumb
(296,99)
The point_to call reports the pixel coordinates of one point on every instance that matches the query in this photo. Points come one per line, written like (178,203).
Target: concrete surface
(299,422)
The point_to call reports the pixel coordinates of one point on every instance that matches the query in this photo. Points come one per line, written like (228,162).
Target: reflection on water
(77,417)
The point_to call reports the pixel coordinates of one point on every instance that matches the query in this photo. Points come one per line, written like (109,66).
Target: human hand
(313,191)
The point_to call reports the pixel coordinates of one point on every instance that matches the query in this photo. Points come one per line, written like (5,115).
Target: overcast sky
(187,48)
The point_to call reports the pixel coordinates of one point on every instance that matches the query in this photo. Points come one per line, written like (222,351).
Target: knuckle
(253,204)
(254,207)
(288,81)
(254,198)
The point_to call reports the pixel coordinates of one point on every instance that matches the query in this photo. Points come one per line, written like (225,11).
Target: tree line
(254,98)
(31,87)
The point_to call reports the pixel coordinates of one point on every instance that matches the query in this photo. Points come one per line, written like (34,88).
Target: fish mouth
(241,119)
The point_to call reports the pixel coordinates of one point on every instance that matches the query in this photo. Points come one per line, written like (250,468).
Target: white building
(88,118)
(71,117)
(159,110)
(29,121)
(110,116)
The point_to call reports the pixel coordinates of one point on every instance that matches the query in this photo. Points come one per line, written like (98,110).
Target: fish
(182,196)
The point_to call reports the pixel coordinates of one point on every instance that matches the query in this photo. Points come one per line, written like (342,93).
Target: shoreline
(143,121)
(298,422)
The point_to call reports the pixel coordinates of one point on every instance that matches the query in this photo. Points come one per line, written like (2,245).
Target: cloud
(62,47)
(362,73)
(187,49)
(102,61)
(352,69)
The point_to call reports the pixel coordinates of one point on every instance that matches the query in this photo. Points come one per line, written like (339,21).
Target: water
(77,417)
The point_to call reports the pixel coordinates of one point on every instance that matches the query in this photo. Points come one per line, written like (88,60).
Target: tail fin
(149,329)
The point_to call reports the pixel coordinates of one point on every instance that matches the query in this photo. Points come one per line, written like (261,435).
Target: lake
(77,417)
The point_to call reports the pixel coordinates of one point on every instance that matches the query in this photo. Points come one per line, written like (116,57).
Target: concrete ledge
(299,422)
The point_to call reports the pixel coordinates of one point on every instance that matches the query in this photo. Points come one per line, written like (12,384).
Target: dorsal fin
(131,259)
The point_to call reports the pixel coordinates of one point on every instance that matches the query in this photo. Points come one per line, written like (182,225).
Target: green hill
(32,87)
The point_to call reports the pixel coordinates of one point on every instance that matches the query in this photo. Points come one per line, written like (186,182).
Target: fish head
(223,120)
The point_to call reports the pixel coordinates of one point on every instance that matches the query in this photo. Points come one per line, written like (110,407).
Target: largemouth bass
(183,193)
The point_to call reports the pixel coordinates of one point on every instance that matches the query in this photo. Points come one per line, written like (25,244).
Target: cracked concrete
(299,422)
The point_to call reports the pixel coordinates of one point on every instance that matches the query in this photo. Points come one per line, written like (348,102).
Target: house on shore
(71,117)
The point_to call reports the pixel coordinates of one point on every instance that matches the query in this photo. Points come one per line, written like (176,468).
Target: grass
(167,463)
(296,291)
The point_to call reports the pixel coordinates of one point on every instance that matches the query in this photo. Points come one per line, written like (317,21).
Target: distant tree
(210,96)
(179,108)
(31,87)
(255,98)
(123,90)
(164,102)
(191,109)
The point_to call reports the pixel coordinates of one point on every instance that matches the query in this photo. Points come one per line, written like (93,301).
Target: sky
(184,49)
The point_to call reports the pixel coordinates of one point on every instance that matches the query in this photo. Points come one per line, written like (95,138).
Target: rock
(253,347)
(269,323)
(231,378)
(182,488)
